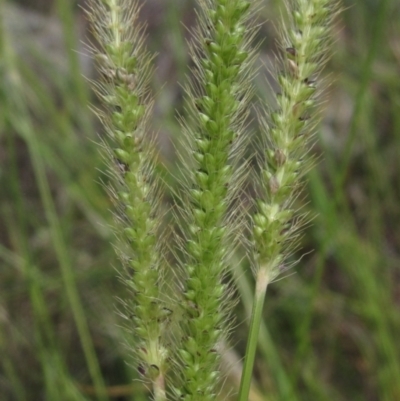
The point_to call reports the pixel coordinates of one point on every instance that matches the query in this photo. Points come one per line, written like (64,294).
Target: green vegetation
(327,332)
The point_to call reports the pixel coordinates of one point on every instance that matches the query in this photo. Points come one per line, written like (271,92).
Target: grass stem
(254,329)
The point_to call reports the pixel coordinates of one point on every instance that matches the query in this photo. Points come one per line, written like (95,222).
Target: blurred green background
(331,330)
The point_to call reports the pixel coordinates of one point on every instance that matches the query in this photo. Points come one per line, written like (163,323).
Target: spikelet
(287,138)
(217,105)
(125,69)
(289,132)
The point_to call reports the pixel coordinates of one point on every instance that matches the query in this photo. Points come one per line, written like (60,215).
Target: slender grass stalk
(266,346)
(217,105)
(20,120)
(276,224)
(80,90)
(365,71)
(125,66)
(24,128)
(57,382)
(254,328)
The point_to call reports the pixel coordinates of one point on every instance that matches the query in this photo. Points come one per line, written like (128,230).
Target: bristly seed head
(125,66)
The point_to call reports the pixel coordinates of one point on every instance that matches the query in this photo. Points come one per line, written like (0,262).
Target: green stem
(256,315)
(159,393)
(266,346)
(68,274)
(22,124)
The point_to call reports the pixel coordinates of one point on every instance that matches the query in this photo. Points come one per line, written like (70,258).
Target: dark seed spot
(309,81)
(291,51)
(155,367)
(141,370)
